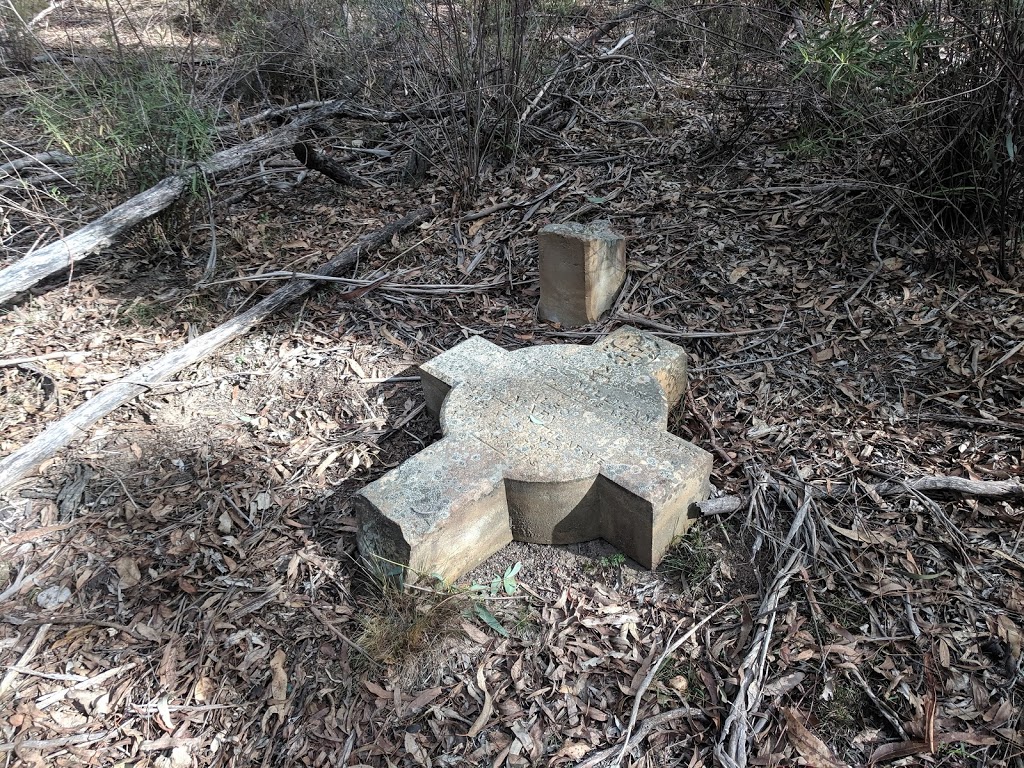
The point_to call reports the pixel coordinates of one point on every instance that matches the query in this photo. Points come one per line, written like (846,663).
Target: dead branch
(26,657)
(733,744)
(982,489)
(974,421)
(12,361)
(564,68)
(723,505)
(43,159)
(937,485)
(671,648)
(328,166)
(354,111)
(642,732)
(75,424)
(77,739)
(43,14)
(60,255)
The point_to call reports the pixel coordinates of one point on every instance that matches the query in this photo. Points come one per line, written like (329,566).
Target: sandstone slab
(582,268)
(550,444)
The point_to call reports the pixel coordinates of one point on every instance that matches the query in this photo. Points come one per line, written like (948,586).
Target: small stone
(582,268)
(181,758)
(53,597)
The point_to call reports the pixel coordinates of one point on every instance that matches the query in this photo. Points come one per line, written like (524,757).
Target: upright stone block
(582,267)
(550,444)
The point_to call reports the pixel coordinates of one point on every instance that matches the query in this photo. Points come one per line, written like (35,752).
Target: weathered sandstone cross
(549,444)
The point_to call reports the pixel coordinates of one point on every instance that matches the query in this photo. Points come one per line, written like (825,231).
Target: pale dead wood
(26,657)
(973,421)
(20,581)
(51,698)
(102,232)
(723,505)
(43,159)
(979,489)
(939,484)
(24,183)
(421,289)
(732,747)
(11,361)
(39,17)
(77,739)
(75,424)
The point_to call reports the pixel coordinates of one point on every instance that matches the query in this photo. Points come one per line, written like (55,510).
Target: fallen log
(43,160)
(48,260)
(62,432)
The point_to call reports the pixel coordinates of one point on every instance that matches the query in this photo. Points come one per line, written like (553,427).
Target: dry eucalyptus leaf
(127,572)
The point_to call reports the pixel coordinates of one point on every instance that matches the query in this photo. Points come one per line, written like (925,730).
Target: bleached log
(75,424)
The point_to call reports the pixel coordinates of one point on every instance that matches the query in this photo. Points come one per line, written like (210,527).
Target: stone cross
(550,444)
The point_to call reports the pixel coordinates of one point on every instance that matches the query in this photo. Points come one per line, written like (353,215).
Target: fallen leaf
(474,634)
(279,677)
(737,274)
(572,750)
(485,713)
(278,688)
(128,573)
(415,750)
(811,748)
(167,670)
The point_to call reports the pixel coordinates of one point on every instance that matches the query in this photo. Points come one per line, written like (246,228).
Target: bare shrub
(479,63)
(927,103)
(17,44)
(302,49)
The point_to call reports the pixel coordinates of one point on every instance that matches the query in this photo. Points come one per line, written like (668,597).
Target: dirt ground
(181,586)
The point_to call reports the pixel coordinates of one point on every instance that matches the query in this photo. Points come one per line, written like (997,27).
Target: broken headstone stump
(550,444)
(582,267)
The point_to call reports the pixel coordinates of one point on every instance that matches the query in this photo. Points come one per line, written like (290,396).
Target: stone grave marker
(582,268)
(550,444)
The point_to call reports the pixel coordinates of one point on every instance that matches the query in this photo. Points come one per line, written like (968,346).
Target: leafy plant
(140,313)
(129,123)
(616,560)
(505,583)
(927,107)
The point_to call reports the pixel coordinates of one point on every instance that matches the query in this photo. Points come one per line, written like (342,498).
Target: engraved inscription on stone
(550,444)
